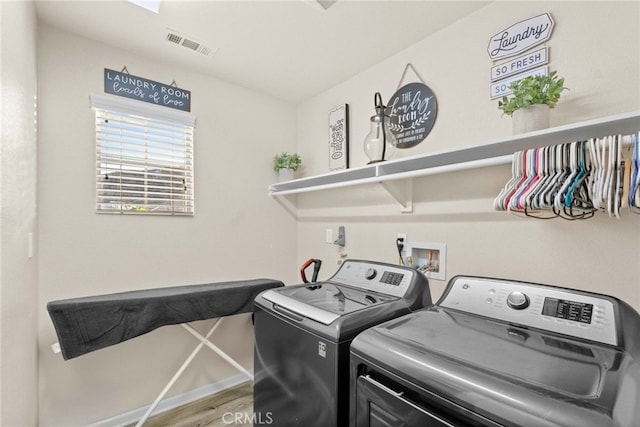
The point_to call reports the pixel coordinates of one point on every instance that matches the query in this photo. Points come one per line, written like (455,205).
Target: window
(144,157)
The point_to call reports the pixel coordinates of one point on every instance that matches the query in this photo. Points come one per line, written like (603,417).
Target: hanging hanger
(517,173)
(610,180)
(532,201)
(577,166)
(548,194)
(534,206)
(518,201)
(591,180)
(634,183)
(571,171)
(626,164)
(513,201)
(578,205)
(617,200)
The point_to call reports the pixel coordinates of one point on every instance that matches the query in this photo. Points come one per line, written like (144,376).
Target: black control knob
(517,300)
(370,273)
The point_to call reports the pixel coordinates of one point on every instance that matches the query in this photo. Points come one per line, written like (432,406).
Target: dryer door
(380,406)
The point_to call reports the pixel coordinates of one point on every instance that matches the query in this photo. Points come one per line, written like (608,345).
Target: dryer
(303,334)
(497,352)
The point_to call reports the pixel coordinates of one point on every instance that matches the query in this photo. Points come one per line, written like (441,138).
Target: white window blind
(144,158)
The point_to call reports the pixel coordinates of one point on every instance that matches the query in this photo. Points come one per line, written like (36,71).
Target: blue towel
(91,323)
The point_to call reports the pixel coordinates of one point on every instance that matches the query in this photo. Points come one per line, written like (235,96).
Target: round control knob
(370,273)
(517,300)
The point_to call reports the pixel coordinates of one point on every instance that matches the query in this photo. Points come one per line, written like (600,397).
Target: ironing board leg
(217,350)
(178,373)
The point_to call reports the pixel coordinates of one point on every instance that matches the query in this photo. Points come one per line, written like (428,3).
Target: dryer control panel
(377,277)
(565,311)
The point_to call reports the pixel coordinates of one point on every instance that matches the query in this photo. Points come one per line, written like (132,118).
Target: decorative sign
(520,36)
(522,63)
(130,86)
(339,137)
(501,88)
(412,111)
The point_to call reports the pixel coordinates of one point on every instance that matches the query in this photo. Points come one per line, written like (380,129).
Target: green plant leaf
(533,90)
(286,161)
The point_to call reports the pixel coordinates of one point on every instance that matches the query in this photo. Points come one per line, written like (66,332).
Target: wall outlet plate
(328,235)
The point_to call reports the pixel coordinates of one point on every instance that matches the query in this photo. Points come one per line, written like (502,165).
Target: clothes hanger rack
(576,180)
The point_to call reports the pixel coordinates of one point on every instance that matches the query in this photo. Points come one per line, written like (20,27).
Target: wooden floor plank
(229,408)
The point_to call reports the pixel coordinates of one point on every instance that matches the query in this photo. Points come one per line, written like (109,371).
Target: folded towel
(91,323)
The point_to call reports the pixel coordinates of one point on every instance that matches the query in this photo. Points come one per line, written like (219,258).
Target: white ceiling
(290,49)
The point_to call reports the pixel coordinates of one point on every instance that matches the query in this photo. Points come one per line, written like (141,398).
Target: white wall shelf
(396,175)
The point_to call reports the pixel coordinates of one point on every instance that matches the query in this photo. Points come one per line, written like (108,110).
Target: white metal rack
(396,176)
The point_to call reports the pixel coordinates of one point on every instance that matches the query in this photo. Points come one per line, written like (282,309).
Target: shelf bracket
(402,191)
(287,204)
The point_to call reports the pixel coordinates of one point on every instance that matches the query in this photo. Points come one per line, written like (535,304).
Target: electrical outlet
(402,236)
(328,235)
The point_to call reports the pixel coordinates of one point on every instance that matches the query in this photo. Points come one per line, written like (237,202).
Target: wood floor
(230,408)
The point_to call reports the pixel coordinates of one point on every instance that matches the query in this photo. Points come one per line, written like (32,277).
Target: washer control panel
(565,311)
(377,277)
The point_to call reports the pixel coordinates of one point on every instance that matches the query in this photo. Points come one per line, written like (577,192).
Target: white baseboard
(133,416)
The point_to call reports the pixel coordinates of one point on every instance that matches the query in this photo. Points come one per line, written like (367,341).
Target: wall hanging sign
(412,111)
(501,88)
(520,36)
(122,83)
(521,63)
(339,137)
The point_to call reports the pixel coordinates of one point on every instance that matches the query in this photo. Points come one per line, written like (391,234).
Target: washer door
(380,406)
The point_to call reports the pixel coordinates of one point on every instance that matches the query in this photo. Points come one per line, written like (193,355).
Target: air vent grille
(174,38)
(188,42)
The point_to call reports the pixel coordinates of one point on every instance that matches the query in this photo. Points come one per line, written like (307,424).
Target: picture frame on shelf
(339,137)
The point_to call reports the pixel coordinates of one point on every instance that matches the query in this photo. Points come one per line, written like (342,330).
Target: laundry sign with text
(412,111)
(520,36)
(134,87)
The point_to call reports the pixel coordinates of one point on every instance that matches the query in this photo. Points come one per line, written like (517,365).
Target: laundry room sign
(520,36)
(134,87)
(519,39)
(412,112)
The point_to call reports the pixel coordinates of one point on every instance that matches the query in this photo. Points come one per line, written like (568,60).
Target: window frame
(150,150)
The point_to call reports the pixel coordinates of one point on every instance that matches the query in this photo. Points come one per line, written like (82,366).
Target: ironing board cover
(91,323)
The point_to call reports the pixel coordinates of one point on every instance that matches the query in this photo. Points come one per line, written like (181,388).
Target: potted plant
(531,100)
(286,164)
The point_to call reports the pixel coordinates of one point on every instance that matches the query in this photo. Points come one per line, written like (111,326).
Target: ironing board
(90,323)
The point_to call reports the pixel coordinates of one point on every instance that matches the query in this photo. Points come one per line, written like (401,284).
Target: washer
(303,334)
(495,352)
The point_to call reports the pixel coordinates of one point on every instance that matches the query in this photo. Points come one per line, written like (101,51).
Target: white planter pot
(529,119)
(285,175)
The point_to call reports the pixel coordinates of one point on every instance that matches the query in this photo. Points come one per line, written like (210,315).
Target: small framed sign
(412,111)
(339,137)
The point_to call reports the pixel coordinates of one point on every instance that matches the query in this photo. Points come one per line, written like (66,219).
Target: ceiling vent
(188,42)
